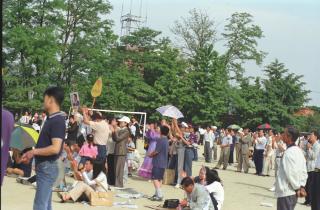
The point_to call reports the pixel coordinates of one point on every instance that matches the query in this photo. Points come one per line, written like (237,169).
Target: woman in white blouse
(97,184)
(215,188)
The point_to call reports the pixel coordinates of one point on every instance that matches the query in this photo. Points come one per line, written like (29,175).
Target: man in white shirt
(315,201)
(279,147)
(225,150)
(292,173)
(101,131)
(260,145)
(215,146)
(197,195)
(208,139)
(25,118)
(312,151)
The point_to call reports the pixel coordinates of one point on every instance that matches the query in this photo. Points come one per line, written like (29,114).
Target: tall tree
(195,31)
(30,50)
(241,37)
(284,94)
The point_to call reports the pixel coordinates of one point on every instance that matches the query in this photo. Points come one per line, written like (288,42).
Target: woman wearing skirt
(146,168)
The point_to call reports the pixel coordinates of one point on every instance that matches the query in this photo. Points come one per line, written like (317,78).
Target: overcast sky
(291,29)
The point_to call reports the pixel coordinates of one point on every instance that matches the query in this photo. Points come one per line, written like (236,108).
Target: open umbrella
(234,127)
(23,137)
(265,126)
(170,111)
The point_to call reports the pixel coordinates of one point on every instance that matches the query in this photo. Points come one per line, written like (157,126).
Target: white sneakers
(272,189)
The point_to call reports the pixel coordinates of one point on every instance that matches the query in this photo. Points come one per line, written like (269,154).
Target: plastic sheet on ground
(266,204)
(125,204)
(129,196)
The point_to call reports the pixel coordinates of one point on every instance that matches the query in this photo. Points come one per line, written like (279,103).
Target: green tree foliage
(241,37)
(195,31)
(284,93)
(29,50)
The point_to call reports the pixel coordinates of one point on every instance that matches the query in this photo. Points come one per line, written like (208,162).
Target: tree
(241,37)
(53,43)
(195,31)
(29,50)
(284,94)
(249,103)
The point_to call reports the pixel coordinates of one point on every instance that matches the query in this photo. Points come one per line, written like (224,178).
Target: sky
(291,29)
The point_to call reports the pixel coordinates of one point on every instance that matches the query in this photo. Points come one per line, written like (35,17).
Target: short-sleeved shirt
(130,155)
(162,148)
(100,132)
(227,140)
(54,127)
(261,143)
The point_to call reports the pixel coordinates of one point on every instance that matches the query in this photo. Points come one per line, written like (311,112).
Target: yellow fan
(96,89)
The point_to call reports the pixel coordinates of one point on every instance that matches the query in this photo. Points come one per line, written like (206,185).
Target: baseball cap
(124,119)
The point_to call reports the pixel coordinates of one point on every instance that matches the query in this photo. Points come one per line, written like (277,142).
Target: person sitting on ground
(201,179)
(87,168)
(88,150)
(198,197)
(98,183)
(210,179)
(73,155)
(130,155)
(215,188)
(19,168)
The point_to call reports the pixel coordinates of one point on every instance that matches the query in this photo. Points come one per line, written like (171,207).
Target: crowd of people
(99,152)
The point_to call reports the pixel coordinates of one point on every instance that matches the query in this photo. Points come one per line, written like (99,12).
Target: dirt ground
(242,192)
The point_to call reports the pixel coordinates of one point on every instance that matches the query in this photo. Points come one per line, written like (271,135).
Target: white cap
(124,119)
(214,127)
(185,125)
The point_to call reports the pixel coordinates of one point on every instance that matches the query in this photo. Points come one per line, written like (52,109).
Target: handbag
(168,177)
(171,203)
(101,198)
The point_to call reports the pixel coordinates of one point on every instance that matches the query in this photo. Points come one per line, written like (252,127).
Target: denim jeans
(188,157)
(47,173)
(195,153)
(102,152)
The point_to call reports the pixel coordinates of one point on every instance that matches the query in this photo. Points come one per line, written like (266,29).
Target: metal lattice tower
(130,22)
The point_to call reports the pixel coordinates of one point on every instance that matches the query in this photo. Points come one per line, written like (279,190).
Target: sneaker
(19,180)
(26,182)
(177,186)
(156,198)
(272,189)
(152,197)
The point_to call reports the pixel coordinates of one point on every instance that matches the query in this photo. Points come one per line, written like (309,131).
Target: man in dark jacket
(72,131)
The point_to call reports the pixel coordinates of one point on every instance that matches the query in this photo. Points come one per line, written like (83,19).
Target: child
(159,162)
(130,155)
(88,150)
